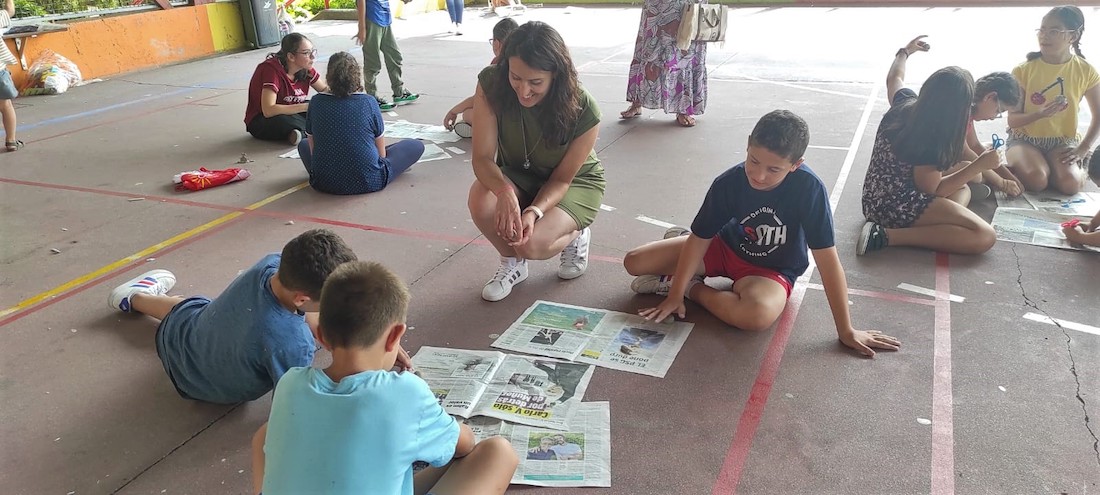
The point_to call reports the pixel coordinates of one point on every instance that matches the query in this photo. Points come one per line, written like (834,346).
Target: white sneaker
(464,129)
(659,284)
(675,231)
(510,273)
(574,258)
(458,29)
(156,283)
(295,137)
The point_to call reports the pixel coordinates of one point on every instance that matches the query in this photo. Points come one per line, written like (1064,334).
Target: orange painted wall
(113,45)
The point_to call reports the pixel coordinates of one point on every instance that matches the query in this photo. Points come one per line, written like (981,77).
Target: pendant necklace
(526,154)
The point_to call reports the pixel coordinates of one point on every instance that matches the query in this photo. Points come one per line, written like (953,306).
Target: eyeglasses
(1052,32)
(309,53)
(491,40)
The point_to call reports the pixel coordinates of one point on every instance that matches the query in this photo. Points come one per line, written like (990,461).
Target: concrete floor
(85,407)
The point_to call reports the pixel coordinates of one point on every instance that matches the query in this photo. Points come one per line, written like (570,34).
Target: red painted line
(943,432)
(886,296)
(277,214)
(107,276)
(127,117)
(730,475)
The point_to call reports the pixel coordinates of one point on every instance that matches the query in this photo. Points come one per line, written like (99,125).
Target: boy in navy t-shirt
(356,427)
(236,348)
(754,227)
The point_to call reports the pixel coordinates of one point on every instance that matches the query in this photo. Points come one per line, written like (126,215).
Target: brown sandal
(685,120)
(635,110)
(13,145)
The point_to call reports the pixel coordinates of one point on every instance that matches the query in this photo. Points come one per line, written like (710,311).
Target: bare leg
(962,196)
(753,304)
(1029,165)
(1064,178)
(156,306)
(946,226)
(550,236)
(7,109)
(483,207)
(487,470)
(657,258)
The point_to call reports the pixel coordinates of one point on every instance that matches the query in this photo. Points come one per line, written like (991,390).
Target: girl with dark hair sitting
(277,94)
(539,183)
(915,192)
(345,152)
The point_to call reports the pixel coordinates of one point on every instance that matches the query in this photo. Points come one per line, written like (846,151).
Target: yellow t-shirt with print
(1039,81)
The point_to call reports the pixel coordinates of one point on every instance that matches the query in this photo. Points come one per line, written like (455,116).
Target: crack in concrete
(1069,350)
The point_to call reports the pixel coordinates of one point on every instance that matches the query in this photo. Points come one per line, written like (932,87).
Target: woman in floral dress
(661,75)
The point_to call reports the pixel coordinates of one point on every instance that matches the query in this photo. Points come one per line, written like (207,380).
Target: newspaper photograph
(403,129)
(1035,227)
(520,389)
(580,456)
(608,339)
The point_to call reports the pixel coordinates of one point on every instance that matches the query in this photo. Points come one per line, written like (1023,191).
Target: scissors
(997,141)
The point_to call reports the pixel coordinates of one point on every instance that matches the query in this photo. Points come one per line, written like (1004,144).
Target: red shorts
(721,261)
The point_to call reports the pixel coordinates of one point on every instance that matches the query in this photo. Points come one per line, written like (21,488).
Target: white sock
(691,283)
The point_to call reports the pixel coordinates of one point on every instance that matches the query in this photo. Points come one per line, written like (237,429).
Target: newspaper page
(521,389)
(1082,203)
(403,129)
(1035,227)
(609,339)
(578,457)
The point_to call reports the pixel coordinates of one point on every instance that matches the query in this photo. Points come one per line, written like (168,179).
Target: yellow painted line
(31,301)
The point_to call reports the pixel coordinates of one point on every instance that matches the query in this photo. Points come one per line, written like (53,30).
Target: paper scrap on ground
(456,150)
(580,456)
(1035,227)
(521,389)
(432,153)
(1082,203)
(1069,325)
(609,339)
(403,129)
(291,154)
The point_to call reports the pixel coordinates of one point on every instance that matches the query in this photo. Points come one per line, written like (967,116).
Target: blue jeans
(399,157)
(454,7)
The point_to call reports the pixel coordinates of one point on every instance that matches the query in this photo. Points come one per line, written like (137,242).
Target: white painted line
(607,208)
(653,221)
(816,90)
(816,147)
(850,157)
(929,292)
(1080,327)
(456,150)
(391,114)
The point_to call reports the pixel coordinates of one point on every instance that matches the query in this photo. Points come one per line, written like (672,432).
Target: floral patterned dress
(661,75)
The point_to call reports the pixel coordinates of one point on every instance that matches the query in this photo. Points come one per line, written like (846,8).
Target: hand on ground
(863,341)
(667,307)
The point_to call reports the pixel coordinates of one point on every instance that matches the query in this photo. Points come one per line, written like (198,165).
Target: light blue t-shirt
(358,436)
(378,12)
(236,347)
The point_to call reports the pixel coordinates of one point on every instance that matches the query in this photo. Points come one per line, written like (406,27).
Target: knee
(1033,178)
(500,450)
(984,239)
(1068,185)
(633,263)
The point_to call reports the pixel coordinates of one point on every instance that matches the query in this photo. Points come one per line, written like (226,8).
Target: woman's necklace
(526,154)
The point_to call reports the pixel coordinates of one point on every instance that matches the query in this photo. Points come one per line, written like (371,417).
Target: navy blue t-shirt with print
(345,157)
(769,229)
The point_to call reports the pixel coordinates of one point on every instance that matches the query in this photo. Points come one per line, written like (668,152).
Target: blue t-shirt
(345,157)
(236,347)
(770,229)
(361,435)
(378,12)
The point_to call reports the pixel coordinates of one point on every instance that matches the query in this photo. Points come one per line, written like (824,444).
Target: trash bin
(261,28)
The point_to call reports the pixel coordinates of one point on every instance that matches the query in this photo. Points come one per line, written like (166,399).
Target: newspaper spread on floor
(522,389)
(1082,203)
(1036,227)
(580,456)
(609,339)
(403,129)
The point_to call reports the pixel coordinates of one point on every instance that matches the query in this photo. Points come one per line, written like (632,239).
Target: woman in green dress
(539,183)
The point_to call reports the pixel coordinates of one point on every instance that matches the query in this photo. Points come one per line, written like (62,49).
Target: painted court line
(1069,325)
(729,476)
(929,292)
(821,147)
(144,253)
(886,296)
(653,221)
(943,430)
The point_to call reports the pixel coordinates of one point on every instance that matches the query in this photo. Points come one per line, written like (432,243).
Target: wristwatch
(534,209)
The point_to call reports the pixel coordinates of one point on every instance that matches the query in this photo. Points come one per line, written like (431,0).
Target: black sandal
(13,145)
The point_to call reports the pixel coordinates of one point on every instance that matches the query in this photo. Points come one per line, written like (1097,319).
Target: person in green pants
(376,36)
